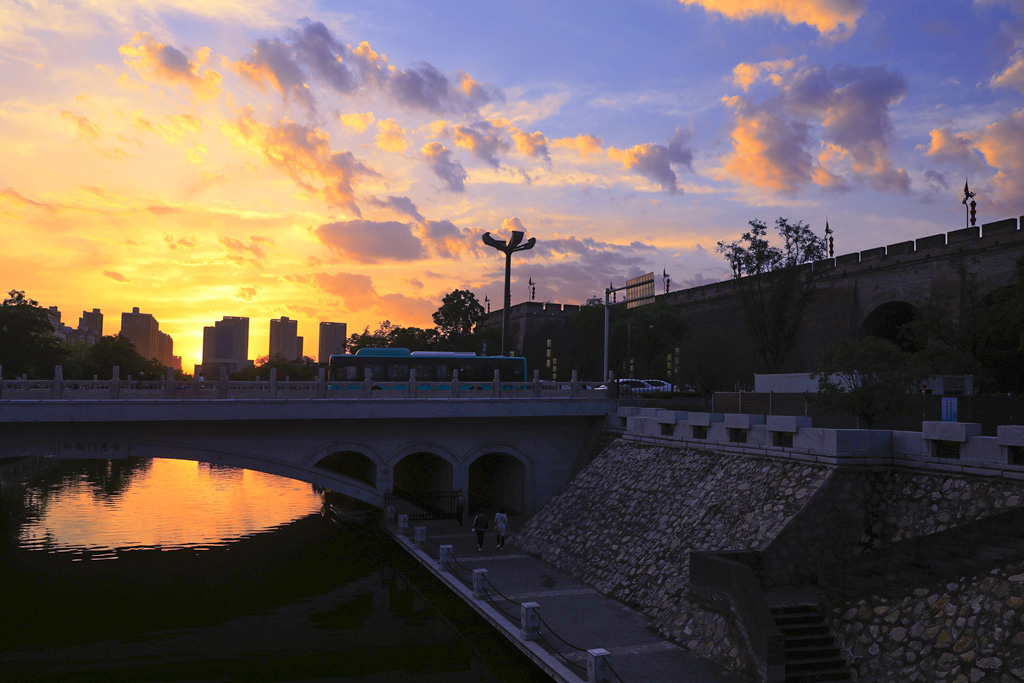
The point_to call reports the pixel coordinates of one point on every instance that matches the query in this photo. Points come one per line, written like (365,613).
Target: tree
(303,369)
(774,289)
(869,378)
(120,351)
(389,335)
(457,316)
(27,342)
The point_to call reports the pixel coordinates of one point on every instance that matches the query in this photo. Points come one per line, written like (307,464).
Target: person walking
(460,508)
(480,527)
(501,527)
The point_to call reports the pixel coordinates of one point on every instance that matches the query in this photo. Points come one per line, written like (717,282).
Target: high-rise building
(91,321)
(59,328)
(284,339)
(225,345)
(333,339)
(142,330)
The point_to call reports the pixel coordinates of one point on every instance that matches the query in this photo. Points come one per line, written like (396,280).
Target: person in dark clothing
(460,508)
(501,527)
(480,527)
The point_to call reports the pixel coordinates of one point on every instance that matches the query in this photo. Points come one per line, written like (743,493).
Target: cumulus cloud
(656,161)
(272,62)
(357,122)
(827,16)
(114,275)
(237,250)
(169,64)
(585,144)
(391,136)
(371,241)
(447,240)
(534,145)
(1012,76)
(246,293)
(439,159)
(402,205)
(86,128)
(304,153)
(179,243)
(956,148)
(424,87)
(848,106)
(357,291)
(318,50)
(483,139)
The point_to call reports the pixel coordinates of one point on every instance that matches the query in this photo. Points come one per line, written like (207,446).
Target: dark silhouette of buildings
(284,339)
(225,345)
(333,339)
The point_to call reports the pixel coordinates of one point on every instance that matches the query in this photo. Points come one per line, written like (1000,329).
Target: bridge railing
(169,388)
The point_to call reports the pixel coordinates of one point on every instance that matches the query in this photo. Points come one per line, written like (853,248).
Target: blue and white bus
(393,365)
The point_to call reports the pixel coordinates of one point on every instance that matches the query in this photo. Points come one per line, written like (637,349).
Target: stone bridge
(517,452)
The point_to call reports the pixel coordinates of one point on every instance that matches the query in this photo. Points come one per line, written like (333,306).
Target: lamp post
(514,244)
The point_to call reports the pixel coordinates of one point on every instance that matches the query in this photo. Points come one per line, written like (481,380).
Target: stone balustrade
(956,447)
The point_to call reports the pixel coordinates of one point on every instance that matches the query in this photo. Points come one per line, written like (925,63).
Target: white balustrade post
(169,383)
(389,512)
(58,381)
(574,384)
(529,621)
(421,537)
(222,384)
(321,383)
(599,668)
(367,383)
(115,382)
(445,560)
(479,583)
(455,383)
(496,391)
(536,383)
(273,383)
(403,525)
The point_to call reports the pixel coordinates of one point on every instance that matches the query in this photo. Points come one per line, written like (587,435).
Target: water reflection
(159,503)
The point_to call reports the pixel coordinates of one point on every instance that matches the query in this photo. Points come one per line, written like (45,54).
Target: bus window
(398,373)
(424,372)
(351,372)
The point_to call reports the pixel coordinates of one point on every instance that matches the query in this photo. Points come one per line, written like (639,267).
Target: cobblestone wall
(970,629)
(627,524)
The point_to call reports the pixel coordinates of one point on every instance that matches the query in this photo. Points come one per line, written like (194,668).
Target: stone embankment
(627,524)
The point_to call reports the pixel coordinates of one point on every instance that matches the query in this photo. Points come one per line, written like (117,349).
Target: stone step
(798,619)
(841,674)
(820,650)
(804,630)
(794,609)
(814,664)
(809,641)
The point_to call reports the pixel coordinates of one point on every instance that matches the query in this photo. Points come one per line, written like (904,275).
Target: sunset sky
(340,160)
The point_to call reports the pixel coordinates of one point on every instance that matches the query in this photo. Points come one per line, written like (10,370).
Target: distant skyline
(339,161)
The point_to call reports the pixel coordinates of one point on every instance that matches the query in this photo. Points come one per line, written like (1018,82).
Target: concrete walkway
(581,617)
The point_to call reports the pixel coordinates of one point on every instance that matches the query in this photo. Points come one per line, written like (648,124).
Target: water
(169,569)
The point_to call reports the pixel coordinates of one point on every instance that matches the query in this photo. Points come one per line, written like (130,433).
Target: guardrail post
(496,390)
(273,383)
(599,668)
(444,561)
(412,382)
(479,583)
(367,383)
(169,383)
(321,383)
(455,383)
(1,381)
(574,384)
(115,382)
(222,383)
(529,621)
(58,381)
(403,525)
(421,537)
(536,383)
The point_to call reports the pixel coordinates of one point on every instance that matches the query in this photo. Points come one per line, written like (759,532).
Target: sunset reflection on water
(165,504)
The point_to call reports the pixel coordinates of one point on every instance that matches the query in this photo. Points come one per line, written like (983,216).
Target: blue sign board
(948,409)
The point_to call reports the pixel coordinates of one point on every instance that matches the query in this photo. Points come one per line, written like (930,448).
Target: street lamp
(514,244)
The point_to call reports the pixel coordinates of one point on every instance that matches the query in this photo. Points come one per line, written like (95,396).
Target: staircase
(811,651)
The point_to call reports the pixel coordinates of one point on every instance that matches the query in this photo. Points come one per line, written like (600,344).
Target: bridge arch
(423,467)
(349,459)
(497,475)
(886,320)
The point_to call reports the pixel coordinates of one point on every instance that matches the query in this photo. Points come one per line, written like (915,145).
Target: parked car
(661,385)
(630,385)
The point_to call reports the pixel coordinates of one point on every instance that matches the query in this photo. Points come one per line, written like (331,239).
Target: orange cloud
(827,16)
(357,122)
(86,128)
(655,161)
(304,153)
(1002,143)
(585,144)
(391,136)
(746,74)
(533,145)
(1012,76)
(168,64)
(114,275)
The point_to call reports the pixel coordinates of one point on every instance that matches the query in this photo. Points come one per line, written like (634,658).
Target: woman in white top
(501,527)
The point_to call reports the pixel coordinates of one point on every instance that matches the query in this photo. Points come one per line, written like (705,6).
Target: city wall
(629,523)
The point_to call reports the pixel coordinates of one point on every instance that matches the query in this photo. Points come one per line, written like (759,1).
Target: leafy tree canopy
(27,342)
(457,316)
(869,378)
